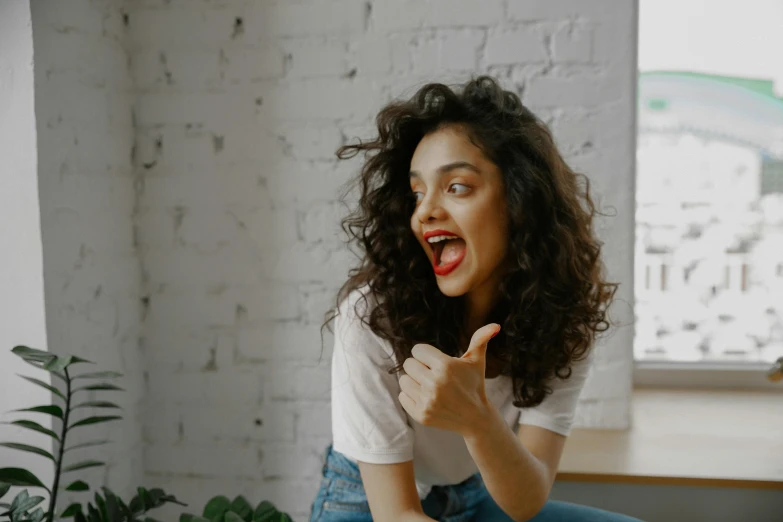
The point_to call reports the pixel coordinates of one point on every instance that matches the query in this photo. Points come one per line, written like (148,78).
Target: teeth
(436,239)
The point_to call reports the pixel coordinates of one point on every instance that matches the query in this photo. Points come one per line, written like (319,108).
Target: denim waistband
(341,464)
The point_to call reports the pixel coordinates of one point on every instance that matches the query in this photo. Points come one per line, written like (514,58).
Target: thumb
(478,343)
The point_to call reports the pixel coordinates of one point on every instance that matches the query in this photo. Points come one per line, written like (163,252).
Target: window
(709,223)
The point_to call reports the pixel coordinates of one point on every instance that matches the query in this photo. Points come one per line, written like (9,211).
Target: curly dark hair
(552,303)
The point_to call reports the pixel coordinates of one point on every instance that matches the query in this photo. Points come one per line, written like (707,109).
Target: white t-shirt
(369,423)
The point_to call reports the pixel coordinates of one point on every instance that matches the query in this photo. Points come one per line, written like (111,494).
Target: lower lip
(443,270)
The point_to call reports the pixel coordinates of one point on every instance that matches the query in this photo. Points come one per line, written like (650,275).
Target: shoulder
(352,331)
(581,368)
(572,385)
(557,411)
(356,307)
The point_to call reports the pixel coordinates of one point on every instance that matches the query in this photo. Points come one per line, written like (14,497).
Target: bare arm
(518,469)
(391,492)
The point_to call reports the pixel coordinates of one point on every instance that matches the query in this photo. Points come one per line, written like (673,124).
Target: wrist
(485,417)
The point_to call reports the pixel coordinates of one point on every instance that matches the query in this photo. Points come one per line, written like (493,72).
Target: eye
(463,188)
(417,196)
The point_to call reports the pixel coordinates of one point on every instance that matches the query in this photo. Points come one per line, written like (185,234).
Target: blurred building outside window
(709,218)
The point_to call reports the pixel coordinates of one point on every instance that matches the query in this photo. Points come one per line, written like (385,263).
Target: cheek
(498,232)
(491,235)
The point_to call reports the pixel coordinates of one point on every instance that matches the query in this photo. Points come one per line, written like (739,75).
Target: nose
(430,209)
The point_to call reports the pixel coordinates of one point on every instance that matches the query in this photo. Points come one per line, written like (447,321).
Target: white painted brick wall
(240,245)
(238,106)
(83,100)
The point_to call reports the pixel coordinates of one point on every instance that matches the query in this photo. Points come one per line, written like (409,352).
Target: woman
(473,228)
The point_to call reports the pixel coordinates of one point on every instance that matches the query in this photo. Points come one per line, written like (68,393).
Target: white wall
(240,108)
(84,100)
(21,277)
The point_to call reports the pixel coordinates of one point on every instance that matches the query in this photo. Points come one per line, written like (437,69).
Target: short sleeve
(556,412)
(368,421)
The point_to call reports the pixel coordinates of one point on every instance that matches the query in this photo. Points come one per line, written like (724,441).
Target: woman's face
(459,194)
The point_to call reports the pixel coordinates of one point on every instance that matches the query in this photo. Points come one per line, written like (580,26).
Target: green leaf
(113,512)
(139,504)
(52,409)
(20,477)
(28,448)
(136,505)
(241,507)
(97,404)
(58,364)
(101,386)
(160,497)
(46,361)
(101,505)
(31,354)
(156,497)
(30,425)
(126,512)
(94,514)
(40,365)
(37,515)
(263,510)
(43,385)
(232,517)
(94,420)
(98,375)
(27,504)
(147,499)
(216,507)
(21,497)
(71,510)
(86,444)
(84,465)
(78,485)
(4,489)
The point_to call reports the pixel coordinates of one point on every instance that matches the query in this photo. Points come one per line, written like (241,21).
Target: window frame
(704,375)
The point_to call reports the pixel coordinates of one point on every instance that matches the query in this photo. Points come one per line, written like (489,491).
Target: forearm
(515,478)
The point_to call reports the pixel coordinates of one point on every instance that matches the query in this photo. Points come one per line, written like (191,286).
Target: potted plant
(69,385)
(106,506)
(221,509)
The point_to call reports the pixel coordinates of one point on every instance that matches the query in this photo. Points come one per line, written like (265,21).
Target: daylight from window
(709,218)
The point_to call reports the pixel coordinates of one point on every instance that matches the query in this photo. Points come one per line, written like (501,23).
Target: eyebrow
(443,169)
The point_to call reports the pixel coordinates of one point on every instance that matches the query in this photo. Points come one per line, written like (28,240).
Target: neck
(480,302)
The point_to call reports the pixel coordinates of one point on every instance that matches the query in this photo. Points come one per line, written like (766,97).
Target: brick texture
(84,96)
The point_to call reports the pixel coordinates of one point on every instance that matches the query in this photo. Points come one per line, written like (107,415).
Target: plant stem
(58,464)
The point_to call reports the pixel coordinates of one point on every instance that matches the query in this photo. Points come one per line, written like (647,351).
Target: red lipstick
(438,232)
(446,269)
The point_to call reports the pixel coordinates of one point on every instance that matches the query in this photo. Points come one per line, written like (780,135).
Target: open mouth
(448,250)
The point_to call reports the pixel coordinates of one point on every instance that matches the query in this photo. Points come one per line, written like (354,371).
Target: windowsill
(722,438)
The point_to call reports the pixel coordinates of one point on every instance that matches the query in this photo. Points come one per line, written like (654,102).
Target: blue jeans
(341,498)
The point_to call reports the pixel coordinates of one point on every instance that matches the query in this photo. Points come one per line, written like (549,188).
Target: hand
(448,392)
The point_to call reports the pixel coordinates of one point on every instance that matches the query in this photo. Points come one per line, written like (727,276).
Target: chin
(453,287)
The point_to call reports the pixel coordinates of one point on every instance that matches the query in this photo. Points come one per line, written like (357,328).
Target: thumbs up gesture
(447,392)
